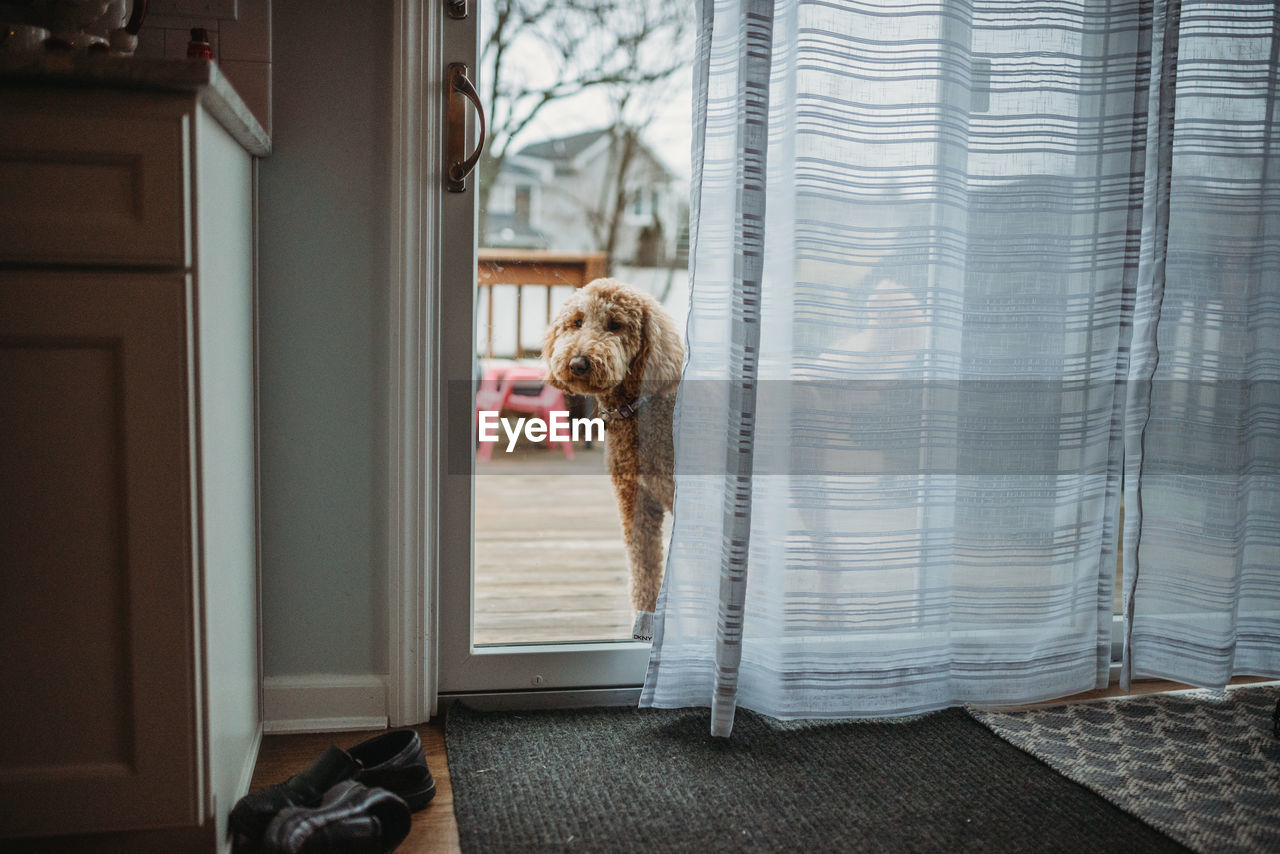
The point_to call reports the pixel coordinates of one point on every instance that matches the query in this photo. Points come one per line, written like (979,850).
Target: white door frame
(415,422)
(430,536)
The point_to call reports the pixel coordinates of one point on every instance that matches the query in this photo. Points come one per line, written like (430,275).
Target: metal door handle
(460,91)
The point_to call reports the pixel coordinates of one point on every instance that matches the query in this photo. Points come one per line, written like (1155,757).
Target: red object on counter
(198,47)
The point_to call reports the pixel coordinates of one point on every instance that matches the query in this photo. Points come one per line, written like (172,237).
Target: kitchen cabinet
(131,710)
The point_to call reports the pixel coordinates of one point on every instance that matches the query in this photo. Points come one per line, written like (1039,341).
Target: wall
(325,279)
(239,34)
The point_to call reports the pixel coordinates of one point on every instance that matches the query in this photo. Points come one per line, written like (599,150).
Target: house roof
(507,231)
(515,167)
(564,152)
(563,148)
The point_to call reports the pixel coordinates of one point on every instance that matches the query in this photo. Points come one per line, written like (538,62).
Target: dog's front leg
(644,550)
(641,518)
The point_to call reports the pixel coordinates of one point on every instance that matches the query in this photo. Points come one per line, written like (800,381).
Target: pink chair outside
(497,392)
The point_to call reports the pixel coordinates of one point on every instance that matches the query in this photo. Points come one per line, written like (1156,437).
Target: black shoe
(253,812)
(351,819)
(393,760)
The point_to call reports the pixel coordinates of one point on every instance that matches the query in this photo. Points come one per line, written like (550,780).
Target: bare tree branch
(540,52)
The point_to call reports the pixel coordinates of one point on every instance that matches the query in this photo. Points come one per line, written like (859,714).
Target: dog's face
(593,342)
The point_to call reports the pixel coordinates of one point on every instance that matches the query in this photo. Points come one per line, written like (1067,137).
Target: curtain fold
(1154,227)
(750,155)
(1203,558)
(926,340)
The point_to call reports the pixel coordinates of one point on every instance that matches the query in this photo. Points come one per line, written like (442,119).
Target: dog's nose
(579,365)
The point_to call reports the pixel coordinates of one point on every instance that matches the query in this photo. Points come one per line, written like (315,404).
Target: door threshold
(513,701)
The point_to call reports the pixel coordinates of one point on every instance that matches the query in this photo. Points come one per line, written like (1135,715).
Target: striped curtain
(1202,433)
(961,272)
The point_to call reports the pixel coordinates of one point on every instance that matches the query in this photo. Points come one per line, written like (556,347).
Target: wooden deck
(550,564)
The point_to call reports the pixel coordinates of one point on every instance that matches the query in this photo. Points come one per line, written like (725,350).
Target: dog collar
(624,411)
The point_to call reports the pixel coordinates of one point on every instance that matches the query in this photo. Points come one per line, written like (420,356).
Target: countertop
(197,76)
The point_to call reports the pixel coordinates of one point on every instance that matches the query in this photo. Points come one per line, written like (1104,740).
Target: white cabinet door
(96,544)
(100,180)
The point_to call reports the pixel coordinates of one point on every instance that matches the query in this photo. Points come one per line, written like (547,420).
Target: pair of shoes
(351,819)
(393,761)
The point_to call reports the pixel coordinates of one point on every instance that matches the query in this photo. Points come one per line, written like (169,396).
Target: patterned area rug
(1202,766)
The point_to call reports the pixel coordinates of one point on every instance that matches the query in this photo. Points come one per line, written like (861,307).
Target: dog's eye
(577,323)
(614,326)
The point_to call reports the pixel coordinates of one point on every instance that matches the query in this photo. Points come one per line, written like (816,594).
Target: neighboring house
(560,194)
(514,203)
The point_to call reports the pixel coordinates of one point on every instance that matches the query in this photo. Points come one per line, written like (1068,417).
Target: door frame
(414,332)
(430,502)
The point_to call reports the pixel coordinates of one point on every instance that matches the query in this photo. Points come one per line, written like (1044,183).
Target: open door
(583,173)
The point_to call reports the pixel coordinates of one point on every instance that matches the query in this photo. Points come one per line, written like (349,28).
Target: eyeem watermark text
(561,428)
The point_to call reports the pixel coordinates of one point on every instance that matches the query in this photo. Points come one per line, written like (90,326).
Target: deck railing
(525,269)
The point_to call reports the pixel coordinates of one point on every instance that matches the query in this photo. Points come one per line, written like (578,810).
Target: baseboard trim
(321,702)
(297,725)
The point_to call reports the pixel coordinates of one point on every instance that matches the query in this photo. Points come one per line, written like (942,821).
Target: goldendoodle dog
(619,345)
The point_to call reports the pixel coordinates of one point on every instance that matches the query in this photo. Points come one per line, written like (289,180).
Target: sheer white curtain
(919,235)
(1202,563)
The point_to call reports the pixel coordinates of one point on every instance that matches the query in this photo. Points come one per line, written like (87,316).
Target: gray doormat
(1202,766)
(648,780)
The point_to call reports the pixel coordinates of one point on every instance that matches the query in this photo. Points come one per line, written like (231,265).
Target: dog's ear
(548,351)
(661,353)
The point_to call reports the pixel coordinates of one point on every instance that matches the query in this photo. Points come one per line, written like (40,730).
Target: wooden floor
(435,830)
(549,560)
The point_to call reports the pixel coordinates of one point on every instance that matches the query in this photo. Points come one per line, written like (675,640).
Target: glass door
(584,174)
